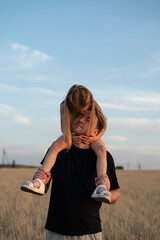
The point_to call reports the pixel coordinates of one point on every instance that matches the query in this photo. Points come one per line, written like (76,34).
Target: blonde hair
(78,99)
(102,120)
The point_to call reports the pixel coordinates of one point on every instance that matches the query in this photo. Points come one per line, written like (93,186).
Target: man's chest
(72,164)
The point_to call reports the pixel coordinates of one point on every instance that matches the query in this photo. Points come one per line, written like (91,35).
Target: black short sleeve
(111,172)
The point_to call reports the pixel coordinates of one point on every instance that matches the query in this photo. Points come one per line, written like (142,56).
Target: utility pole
(4,157)
(139,166)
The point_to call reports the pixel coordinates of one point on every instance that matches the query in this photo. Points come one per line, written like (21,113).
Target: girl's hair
(78,99)
(102,120)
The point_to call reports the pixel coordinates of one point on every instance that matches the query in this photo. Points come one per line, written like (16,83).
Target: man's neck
(81,145)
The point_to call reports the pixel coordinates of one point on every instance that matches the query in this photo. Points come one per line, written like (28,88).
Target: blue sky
(111,47)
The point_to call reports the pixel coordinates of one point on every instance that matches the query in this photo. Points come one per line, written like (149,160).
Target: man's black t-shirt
(72,211)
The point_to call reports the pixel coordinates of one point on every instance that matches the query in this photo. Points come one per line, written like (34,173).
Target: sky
(110,47)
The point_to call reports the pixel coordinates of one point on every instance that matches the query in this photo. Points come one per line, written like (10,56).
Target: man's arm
(45,176)
(115,195)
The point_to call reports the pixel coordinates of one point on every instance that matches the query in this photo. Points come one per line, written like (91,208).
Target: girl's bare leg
(55,148)
(50,159)
(101,193)
(100,150)
(102,182)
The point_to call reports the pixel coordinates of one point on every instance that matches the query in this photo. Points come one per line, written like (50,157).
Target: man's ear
(95,132)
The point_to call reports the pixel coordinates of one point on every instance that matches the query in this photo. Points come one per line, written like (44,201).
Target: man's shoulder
(109,156)
(110,161)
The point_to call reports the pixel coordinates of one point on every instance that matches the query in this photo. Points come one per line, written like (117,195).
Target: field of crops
(136,216)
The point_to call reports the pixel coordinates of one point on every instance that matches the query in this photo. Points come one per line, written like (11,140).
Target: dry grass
(136,216)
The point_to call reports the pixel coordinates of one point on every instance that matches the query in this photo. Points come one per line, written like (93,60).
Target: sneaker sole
(30,191)
(101,199)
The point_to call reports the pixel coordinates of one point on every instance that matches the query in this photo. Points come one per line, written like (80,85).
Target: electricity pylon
(4,157)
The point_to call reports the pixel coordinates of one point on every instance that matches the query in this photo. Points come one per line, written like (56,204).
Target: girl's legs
(37,185)
(50,159)
(102,182)
(100,150)
(55,148)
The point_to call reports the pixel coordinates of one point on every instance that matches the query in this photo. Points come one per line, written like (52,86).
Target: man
(72,213)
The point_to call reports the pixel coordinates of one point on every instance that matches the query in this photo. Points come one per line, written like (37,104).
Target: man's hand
(41,174)
(103,180)
(108,184)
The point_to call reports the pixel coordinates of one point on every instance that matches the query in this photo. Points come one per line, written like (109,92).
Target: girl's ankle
(101,189)
(36,183)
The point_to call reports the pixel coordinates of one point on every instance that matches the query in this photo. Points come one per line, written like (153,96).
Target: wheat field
(136,216)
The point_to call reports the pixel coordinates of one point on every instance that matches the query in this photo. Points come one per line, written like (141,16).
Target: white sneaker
(28,186)
(104,196)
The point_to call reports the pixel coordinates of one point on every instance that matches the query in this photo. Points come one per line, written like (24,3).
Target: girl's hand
(87,140)
(41,174)
(108,184)
(84,139)
(76,138)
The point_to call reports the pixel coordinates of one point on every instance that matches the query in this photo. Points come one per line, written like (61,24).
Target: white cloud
(38,90)
(128,107)
(143,150)
(150,72)
(6,109)
(153,99)
(19,47)
(151,66)
(128,100)
(32,53)
(118,106)
(22,119)
(45,91)
(113,106)
(149,150)
(111,147)
(23,58)
(7,87)
(41,55)
(117,138)
(10,112)
(140,124)
(123,93)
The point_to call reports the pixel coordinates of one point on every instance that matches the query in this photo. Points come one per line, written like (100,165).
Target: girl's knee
(58,145)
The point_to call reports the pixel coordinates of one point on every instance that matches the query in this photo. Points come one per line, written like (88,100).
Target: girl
(78,100)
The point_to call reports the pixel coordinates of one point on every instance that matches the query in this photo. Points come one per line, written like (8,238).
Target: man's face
(80,125)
